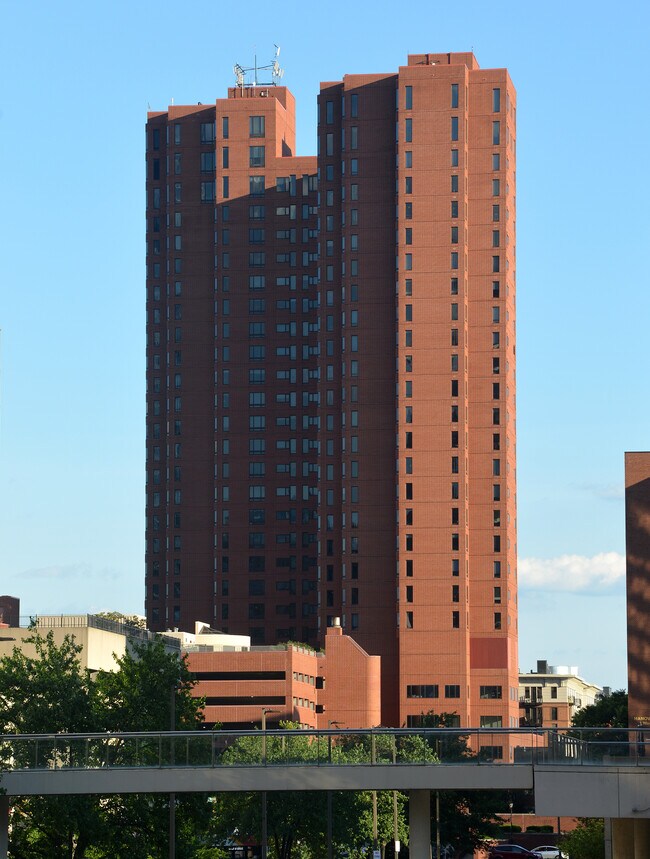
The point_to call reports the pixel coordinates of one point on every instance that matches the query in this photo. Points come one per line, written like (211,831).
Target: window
(454,95)
(496,238)
(422,691)
(256,185)
(496,100)
(455,622)
(497,620)
(496,133)
(452,691)
(454,260)
(496,467)
(408,130)
(454,232)
(454,184)
(454,213)
(493,692)
(208,132)
(496,161)
(454,158)
(497,595)
(409,620)
(354,105)
(496,569)
(454,128)
(496,187)
(256,126)
(208,162)
(408,101)
(208,192)
(256,156)
(408,185)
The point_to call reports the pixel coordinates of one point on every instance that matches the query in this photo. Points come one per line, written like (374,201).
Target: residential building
(550,696)
(331,377)
(637,548)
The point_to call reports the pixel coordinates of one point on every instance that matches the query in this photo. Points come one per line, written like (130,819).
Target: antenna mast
(277,72)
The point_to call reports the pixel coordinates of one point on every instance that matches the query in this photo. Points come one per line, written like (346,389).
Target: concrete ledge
(591,791)
(213,780)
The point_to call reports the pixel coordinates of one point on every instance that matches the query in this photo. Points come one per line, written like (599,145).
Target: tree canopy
(50,693)
(610,711)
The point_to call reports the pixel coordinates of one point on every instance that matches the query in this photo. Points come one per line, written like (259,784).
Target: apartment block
(331,377)
(551,695)
(637,548)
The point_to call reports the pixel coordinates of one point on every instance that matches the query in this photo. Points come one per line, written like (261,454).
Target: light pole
(330,724)
(172,796)
(510,806)
(265,834)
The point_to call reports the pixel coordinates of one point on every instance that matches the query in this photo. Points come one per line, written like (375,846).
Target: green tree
(49,693)
(610,711)
(467,818)
(587,841)
(296,820)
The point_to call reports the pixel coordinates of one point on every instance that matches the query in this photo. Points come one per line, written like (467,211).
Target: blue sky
(77,81)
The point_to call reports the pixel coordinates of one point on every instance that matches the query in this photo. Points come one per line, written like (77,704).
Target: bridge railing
(376,747)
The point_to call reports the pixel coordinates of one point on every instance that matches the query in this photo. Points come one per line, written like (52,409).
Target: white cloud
(605,491)
(572,572)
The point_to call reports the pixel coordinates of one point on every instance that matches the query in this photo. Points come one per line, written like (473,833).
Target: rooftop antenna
(277,73)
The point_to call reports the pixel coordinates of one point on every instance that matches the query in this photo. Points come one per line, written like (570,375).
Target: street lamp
(510,804)
(172,796)
(331,723)
(265,834)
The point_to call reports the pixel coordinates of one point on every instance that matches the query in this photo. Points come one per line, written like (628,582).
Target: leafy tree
(467,818)
(587,841)
(297,820)
(135,620)
(49,693)
(610,711)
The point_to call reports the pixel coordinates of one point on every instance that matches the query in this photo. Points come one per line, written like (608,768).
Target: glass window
(496,100)
(256,156)
(408,130)
(408,101)
(256,185)
(496,133)
(454,95)
(454,128)
(257,126)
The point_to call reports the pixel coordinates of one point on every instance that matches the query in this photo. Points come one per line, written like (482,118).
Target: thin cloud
(605,491)
(66,571)
(573,573)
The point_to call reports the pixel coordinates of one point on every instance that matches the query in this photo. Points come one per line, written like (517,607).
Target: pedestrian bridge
(573,773)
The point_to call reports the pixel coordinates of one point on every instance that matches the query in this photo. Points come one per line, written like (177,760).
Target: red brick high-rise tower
(346,428)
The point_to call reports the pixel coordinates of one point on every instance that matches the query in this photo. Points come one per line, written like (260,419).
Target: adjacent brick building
(331,377)
(637,547)
(292,683)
